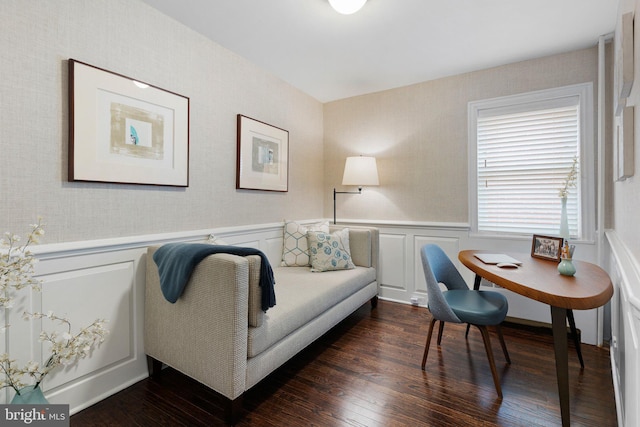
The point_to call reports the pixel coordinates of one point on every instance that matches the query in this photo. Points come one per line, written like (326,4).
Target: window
(521,149)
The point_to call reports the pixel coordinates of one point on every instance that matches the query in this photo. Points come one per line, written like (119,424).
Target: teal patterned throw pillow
(330,251)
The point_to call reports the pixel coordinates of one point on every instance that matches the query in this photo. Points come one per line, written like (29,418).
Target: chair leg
(426,347)
(492,364)
(502,343)
(476,286)
(440,329)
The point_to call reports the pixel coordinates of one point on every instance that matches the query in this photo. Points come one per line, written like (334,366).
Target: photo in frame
(263,156)
(124,131)
(546,247)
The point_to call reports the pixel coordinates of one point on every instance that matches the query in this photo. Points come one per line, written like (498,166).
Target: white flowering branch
(570,181)
(17,264)
(16,272)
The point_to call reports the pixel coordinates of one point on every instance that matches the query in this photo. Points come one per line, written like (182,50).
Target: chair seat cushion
(477,307)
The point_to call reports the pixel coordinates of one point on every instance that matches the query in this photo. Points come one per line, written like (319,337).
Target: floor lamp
(360,171)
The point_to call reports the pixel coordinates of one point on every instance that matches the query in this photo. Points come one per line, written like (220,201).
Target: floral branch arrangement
(570,181)
(17,264)
(16,273)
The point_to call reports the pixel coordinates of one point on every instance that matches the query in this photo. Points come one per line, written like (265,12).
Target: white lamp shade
(360,171)
(347,7)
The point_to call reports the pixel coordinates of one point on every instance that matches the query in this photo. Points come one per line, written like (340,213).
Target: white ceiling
(391,43)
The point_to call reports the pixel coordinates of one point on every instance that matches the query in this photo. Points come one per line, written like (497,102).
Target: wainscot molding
(625,330)
(401,278)
(106,278)
(461,226)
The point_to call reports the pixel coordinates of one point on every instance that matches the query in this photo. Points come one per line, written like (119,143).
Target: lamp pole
(342,192)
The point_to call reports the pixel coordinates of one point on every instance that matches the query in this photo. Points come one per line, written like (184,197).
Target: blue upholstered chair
(459,304)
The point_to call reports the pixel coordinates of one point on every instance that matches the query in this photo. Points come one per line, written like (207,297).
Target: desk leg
(476,287)
(574,332)
(559,324)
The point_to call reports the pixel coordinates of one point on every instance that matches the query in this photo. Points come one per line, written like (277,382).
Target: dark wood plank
(366,372)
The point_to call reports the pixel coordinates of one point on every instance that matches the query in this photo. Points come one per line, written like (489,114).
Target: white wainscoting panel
(273,249)
(401,276)
(83,281)
(99,292)
(625,332)
(84,284)
(392,274)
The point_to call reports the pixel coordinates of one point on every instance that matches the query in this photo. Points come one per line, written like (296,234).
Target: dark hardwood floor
(366,372)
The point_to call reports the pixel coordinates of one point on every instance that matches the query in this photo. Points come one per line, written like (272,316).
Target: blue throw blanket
(176,262)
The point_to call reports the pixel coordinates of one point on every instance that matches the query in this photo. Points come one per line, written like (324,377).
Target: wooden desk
(539,279)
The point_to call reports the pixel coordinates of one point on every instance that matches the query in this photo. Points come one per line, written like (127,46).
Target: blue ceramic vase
(566,267)
(29,396)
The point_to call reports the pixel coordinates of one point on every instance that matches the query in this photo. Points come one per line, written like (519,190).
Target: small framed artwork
(546,247)
(263,156)
(623,150)
(626,50)
(624,63)
(125,131)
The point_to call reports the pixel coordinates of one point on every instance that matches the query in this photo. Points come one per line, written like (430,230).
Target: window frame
(531,101)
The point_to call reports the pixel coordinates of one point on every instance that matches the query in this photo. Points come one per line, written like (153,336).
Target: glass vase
(564,220)
(29,395)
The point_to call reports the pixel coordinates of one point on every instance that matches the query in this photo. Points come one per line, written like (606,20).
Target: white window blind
(523,159)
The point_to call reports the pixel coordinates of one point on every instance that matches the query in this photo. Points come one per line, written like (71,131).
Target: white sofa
(217,333)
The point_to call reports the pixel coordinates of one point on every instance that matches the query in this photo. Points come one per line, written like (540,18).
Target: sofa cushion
(295,250)
(363,243)
(302,296)
(329,251)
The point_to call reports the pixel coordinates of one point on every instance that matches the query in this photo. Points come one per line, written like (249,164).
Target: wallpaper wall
(627,193)
(128,37)
(419,135)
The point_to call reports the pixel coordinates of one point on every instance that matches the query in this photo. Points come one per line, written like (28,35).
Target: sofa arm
(363,243)
(204,333)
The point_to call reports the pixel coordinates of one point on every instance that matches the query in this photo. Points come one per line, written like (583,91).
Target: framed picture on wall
(546,247)
(627,61)
(624,60)
(124,131)
(263,156)
(623,150)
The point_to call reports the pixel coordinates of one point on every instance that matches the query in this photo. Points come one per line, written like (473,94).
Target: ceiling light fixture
(347,7)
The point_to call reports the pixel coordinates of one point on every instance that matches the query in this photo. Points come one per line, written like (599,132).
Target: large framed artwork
(263,156)
(124,131)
